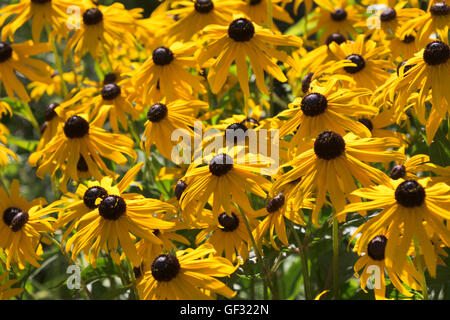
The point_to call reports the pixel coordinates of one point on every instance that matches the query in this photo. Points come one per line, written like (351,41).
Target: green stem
(423,281)
(57,61)
(336,258)
(31,117)
(258,256)
(305,270)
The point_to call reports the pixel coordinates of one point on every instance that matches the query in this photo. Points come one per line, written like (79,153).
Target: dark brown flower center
(410,194)
(376,248)
(203,6)
(339,14)
(110,78)
(405,69)
(367,123)
(398,171)
(92,194)
(15,218)
(388,14)
(329,145)
(157,112)
(221,165)
(162,56)
(112,207)
(165,267)
(50,111)
(440,9)
(436,53)
(306,81)
(179,188)
(229,223)
(335,37)
(255,2)
(40,1)
(241,30)
(314,104)
(5,51)
(92,16)
(236,132)
(110,91)
(356,59)
(276,203)
(409,38)
(76,127)
(253,123)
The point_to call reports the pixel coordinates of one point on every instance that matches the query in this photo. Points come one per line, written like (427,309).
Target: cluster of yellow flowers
(355,78)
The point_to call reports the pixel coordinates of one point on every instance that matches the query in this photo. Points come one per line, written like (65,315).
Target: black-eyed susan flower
(407,169)
(338,16)
(40,12)
(225,178)
(241,39)
(331,163)
(326,108)
(373,260)
(167,71)
(257,11)
(411,210)
(21,226)
(278,208)
(164,119)
(190,274)
(80,136)
(117,217)
(429,70)
(386,22)
(6,292)
(100,28)
(227,233)
(15,57)
(435,20)
(370,61)
(193,16)
(170,239)
(381,126)
(39,89)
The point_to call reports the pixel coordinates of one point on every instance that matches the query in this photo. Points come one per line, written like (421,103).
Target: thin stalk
(259,256)
(336,258)
(305,270)
(423,281)
(57,61)
(70,262)
(31,117)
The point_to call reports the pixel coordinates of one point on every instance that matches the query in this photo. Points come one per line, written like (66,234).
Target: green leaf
(29,145)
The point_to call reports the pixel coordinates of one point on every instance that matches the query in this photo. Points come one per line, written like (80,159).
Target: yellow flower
(40,12)
(81,137)
(331,162)
(241,39)
(21,226)
(188,275)
(411,209)
(113,216)
(15,57)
